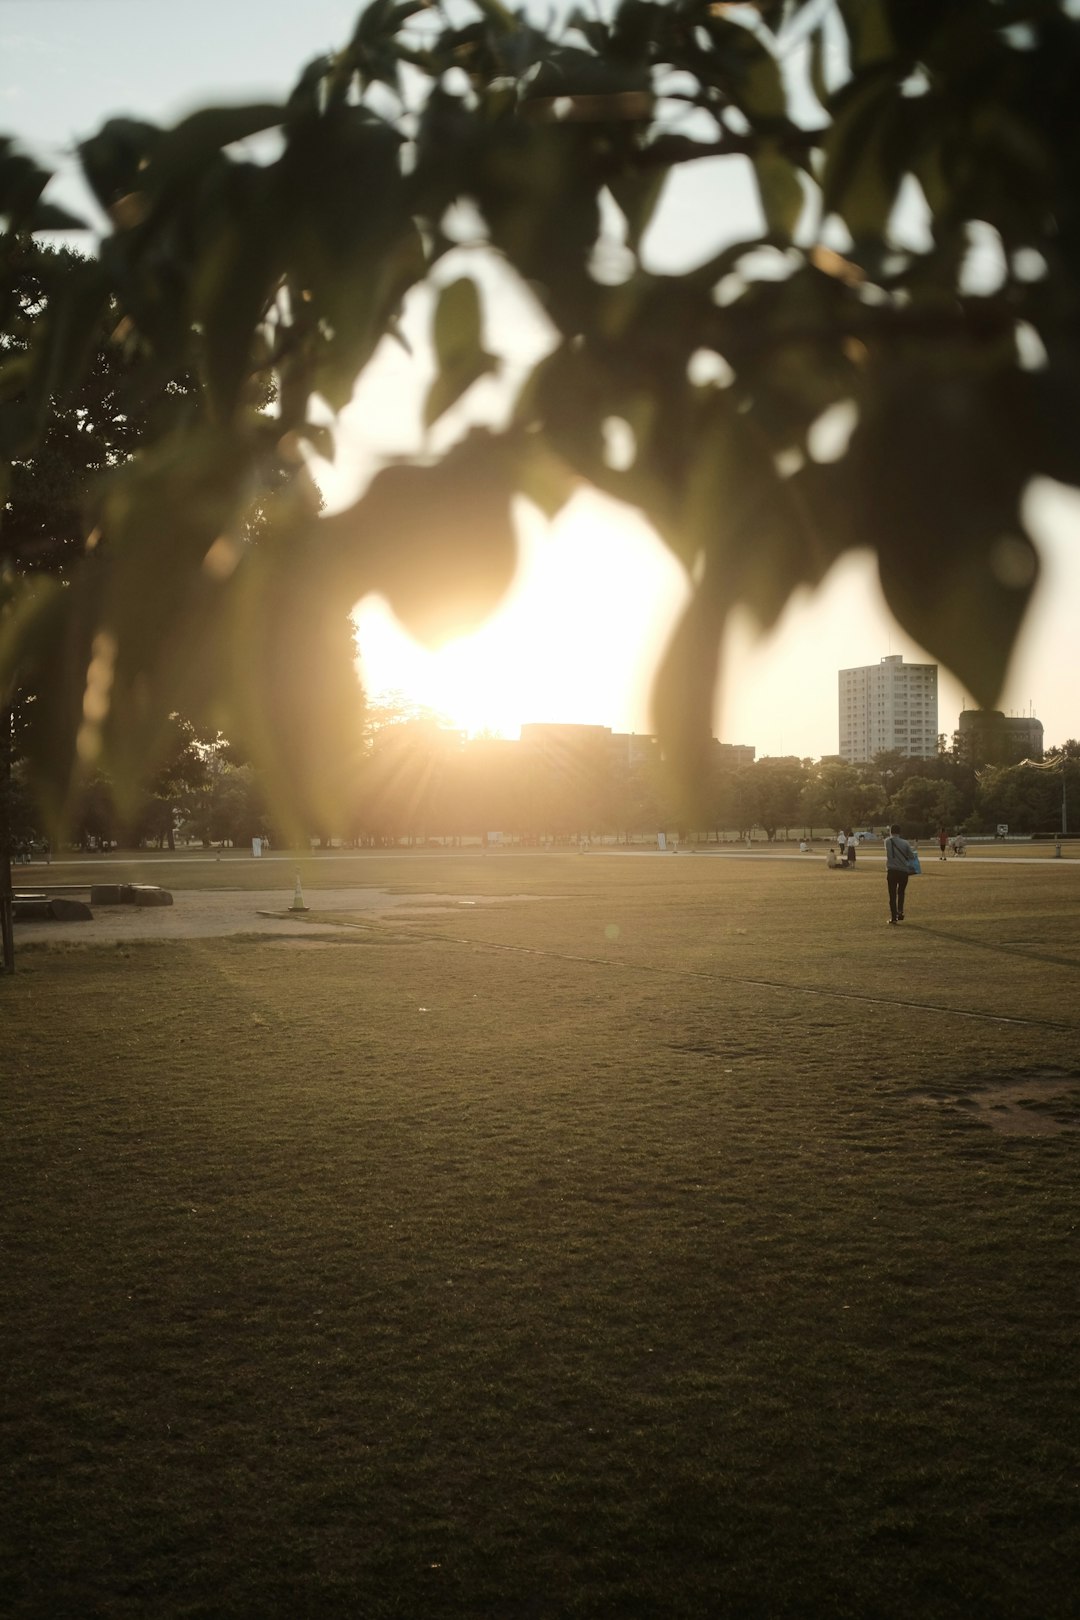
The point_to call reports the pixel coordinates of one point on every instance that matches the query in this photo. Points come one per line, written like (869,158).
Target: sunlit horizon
(579,636)
(574,642)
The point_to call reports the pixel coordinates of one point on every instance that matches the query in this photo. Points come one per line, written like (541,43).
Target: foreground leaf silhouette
(277,279)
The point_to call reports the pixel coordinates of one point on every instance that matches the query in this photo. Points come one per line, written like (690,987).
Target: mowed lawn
(639,1244)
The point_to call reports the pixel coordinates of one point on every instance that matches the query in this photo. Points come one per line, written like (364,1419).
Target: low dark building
(988,737)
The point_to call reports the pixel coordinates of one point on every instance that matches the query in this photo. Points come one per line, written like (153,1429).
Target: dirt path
(198,915)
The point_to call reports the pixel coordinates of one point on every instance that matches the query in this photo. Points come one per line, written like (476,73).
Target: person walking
(900,862)
(841,845)
(943,843)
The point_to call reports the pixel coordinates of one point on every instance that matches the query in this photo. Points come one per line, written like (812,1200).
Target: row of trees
(202,794)
(922,795)
(414,784)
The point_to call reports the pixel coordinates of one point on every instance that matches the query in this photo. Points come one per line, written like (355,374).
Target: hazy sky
(67,64)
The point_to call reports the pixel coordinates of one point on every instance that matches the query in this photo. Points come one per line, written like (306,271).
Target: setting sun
(564,646)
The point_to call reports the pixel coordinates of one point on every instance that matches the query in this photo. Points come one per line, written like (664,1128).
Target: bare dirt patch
(1037,1102)
(198,914)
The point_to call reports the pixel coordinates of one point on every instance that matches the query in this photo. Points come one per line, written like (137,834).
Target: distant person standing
(900,862)
(943,843)
(841,844)
(851,847)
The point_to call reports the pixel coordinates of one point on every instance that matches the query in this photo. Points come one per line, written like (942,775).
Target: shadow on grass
(992,945)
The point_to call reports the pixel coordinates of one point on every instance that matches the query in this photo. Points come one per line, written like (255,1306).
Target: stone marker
(63,910)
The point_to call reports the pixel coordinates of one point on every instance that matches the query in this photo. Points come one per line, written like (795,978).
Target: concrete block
(110,894)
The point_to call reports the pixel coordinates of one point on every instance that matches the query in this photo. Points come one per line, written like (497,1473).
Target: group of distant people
(843,852)
(945,843)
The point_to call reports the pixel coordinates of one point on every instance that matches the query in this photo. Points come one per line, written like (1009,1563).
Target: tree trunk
(7,906)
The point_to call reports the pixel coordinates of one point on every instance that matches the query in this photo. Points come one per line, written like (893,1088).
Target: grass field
(667,1238)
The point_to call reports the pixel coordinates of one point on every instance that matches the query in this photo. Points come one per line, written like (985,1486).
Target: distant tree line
(415,782)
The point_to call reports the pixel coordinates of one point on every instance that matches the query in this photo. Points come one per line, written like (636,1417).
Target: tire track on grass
(404,931)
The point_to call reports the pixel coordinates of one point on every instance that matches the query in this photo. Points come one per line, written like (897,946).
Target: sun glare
(576,640)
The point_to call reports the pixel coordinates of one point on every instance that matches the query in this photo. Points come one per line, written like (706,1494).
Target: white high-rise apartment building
(889,706)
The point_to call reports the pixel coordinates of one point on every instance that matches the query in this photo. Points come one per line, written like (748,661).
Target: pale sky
(65,65)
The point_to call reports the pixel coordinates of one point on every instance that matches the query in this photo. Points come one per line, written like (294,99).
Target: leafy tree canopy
(946,392)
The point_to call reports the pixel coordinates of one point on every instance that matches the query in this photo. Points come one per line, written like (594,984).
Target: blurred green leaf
(49,217)
(437,541)
(457,323)
(236,273)
(113,160)
(818,79)
(47,641)
(202,136)
(748,67)
(864,157)
(781,194)
(383,18)
(684,691)
(542,477)
(26,603)
(638,195)
(496,15)
(753,527)
(320,437)
(459,349)
(938,475)
(289,696)
(52,367)
(21,183)
(352,249)
(869,32)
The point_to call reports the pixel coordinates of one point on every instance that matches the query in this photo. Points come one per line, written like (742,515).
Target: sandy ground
(197,915)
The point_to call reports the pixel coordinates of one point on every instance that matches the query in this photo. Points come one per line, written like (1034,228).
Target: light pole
(1048,765)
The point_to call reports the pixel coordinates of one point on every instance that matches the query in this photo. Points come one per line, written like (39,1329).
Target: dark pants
(897,882)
